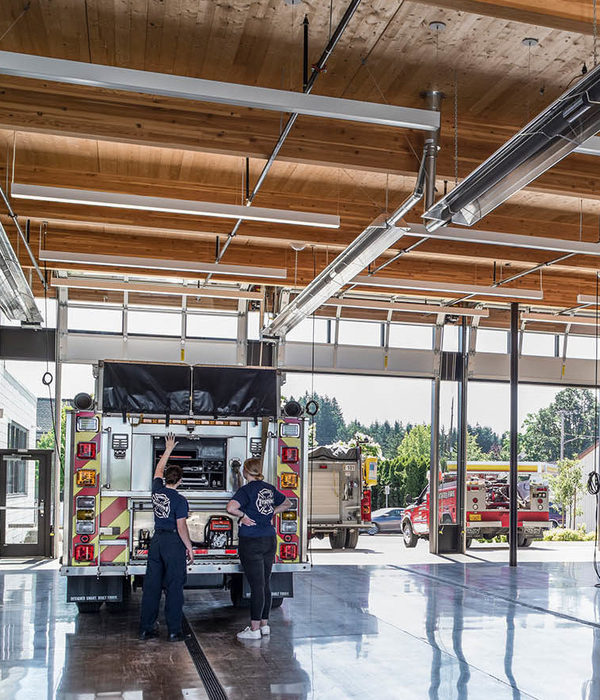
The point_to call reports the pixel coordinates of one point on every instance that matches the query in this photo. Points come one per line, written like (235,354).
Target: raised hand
(170,442)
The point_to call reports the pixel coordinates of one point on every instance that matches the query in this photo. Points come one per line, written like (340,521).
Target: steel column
(461,450)
(59,353)
(514,427)
(434,511)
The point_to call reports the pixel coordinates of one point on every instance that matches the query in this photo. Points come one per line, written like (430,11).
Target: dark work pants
(257,555)
(166,569)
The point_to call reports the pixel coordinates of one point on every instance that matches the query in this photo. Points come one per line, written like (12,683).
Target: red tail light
(288,551)
(365,506)
(86,450)
(84,552)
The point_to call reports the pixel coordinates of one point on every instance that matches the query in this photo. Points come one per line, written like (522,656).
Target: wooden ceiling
(75,136)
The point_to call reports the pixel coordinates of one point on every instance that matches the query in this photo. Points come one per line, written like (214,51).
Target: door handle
(41,508)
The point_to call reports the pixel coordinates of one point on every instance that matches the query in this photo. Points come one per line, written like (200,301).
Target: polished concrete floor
(440,630)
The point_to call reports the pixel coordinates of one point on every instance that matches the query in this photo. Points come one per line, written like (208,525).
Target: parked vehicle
(340,498)
(386,520)
(486,507)
(557,517)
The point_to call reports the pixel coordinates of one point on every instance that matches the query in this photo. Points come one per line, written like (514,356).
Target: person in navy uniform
(256,504)
(168,550)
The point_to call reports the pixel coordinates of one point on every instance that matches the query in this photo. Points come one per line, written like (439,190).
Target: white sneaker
(265,630)
(249,634)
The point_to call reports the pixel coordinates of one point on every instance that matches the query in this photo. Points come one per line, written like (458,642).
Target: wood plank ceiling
(55,134)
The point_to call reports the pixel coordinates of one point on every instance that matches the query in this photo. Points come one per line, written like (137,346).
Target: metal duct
(16,298)
(368,246)
(557,131)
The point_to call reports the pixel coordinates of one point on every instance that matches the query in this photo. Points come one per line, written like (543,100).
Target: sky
(409,400)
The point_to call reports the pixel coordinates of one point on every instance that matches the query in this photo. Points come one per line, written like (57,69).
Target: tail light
(365,506)
(86,450)
(289,455)
(84,552)
(289,551)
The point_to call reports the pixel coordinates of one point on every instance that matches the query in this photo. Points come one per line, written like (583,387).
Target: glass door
(24,504)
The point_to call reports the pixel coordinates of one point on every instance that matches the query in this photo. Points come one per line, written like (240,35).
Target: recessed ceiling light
(292,2)
(530,41)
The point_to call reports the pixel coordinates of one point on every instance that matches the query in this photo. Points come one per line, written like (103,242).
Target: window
(95,319)
(153,323)
(540,344)
(450,339)
(303,332)
(211,326)
(492,341)
(360,333)
(411,337)
(15,469)
(582,347)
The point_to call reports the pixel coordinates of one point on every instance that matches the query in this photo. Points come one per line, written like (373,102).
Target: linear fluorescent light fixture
(565,319)
(513,240)
(563,126)
(167,205)
(16,297)
(57,256)
(447,288)
(186,290)
(366,247)
(407,307)
(96,75)
(589,299)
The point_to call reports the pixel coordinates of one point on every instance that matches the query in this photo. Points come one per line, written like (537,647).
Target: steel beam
(113,78)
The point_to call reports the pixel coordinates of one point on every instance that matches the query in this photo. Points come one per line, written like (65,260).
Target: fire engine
(340,505)
(486,505)
(220,416)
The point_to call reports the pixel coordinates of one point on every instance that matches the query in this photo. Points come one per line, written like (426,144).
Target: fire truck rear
(486,509)
(220,416)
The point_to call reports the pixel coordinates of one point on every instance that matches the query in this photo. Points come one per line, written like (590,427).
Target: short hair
(254,467)
(173,474)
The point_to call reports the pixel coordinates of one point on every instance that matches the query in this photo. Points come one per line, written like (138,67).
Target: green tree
(329,420)
(46,442)
(566,487)
(486,438)
(542,430)
(416,444)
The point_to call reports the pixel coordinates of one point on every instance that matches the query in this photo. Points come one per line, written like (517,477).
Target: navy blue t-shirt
(258,500)
(168,505)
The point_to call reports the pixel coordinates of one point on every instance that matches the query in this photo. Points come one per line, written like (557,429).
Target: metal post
(59,352)
(305,55)
(461,451)
(514,426)
(434,454)
(434,100)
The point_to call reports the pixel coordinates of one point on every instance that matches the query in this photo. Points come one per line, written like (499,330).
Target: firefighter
(256,504)
(168,550)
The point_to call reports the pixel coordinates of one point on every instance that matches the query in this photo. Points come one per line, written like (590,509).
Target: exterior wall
(19,406)
(587,503)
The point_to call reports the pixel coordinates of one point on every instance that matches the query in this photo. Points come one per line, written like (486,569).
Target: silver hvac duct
(16,298)
(368,246)
(563,126)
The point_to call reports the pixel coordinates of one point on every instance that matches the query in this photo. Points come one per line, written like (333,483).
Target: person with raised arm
(169,547)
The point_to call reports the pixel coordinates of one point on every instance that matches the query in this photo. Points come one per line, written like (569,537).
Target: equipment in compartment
(218,532)
(203,461)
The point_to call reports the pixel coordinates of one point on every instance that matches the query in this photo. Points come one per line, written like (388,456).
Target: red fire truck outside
(486,506)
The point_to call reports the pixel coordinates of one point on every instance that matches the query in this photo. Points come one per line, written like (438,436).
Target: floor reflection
(443,632)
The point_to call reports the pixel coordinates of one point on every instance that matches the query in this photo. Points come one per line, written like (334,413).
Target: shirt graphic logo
(162,505)
(264,502)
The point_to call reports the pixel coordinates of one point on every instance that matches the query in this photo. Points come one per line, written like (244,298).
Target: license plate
(475,516)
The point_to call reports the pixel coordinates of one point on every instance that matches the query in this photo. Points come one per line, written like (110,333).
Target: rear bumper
(532,528)
(139,569)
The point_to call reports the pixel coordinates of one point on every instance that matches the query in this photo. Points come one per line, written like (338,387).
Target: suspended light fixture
(560,129)
(447,288)
(16,298)
(167,205)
